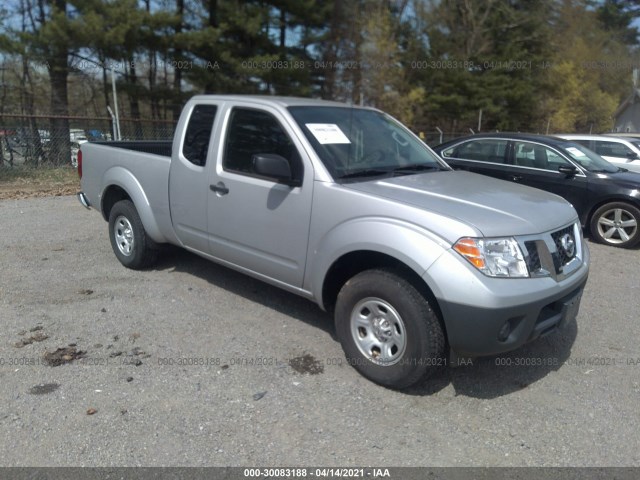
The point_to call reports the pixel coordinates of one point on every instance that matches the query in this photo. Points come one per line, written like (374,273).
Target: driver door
(255,222)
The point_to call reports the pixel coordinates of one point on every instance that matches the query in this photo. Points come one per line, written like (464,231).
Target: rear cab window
(198,134)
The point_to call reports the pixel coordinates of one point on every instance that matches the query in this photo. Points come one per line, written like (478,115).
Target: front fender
(124,179)
(408,243)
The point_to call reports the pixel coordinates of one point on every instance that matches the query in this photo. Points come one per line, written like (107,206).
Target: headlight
(495,257)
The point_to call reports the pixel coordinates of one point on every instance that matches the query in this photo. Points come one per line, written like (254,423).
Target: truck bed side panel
(143,176)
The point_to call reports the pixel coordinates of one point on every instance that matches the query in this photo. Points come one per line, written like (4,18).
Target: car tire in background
(616,224)
(129,240)
(388,329)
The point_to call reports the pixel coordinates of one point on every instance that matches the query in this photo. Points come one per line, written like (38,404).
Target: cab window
(198,134)
(252,132)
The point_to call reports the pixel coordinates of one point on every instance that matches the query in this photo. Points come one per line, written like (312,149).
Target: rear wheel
(616,224)
(388,329)
(130,242)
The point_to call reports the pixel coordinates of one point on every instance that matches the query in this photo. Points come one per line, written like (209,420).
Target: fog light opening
(505,331)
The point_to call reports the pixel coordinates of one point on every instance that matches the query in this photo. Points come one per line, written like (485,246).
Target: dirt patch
(44,389)
(38,337)
(63,355)
(306,364)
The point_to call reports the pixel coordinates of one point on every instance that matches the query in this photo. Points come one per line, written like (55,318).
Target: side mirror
(632,156)
(568,170)
(273,166)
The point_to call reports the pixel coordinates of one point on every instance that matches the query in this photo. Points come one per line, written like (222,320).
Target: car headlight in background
(495,257)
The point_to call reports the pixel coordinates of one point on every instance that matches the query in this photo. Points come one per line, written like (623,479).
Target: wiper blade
(365,172)
(417,167)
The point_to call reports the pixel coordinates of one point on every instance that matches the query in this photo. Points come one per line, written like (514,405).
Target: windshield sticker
(327,133)
(575,152)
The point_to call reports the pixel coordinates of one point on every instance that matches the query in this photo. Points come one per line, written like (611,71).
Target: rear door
(482,155)
(257,223)
(188,177)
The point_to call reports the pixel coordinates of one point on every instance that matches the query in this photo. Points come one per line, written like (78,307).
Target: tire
(130,242)
(616,224)
(388,329)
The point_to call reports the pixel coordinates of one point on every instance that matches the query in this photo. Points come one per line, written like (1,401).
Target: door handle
(220,188)
(516,178)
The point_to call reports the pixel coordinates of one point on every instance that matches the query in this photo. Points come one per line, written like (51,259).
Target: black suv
(607,198)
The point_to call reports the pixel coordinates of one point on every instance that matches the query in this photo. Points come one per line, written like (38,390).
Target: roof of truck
(275,100)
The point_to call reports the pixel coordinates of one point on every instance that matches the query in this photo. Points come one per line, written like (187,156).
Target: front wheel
(131,244)
(616,224)
(388,329)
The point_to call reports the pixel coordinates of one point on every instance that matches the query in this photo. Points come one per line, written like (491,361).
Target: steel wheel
(387,328)
(129,240)
(378,331)
(123,235)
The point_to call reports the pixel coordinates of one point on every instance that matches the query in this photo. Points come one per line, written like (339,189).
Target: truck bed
(140,168)
(156,147)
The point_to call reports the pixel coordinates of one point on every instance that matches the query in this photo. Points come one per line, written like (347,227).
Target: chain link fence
(30,141)
(38,140)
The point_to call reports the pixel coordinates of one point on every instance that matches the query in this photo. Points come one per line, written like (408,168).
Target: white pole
(113,121)
(115,104)
(440,132)
(480,120)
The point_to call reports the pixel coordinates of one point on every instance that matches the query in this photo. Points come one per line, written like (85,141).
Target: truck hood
(494,207)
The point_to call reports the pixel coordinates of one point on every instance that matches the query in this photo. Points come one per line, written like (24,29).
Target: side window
(252,132)
(586,143)
(198,134)
(533,155)
(612,149)
(485,150)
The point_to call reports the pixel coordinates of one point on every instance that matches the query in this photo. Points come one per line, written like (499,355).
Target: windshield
(587,159)
(355,143)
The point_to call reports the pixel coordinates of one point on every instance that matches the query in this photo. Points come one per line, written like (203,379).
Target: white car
(622,152)
(75,147)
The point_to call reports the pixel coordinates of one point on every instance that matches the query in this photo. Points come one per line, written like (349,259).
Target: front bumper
(488,316)
(474,331)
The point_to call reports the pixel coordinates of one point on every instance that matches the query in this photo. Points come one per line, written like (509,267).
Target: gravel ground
(193,364)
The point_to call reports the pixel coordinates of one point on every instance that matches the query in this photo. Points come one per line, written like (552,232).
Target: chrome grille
(555,254)
(562,257)
(532,258)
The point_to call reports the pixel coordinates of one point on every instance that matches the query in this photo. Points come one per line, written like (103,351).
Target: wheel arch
(354,262)
(615,237)
(121,184)
(112,195)
(604,201)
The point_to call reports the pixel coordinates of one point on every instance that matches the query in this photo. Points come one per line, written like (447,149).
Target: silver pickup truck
(346,207)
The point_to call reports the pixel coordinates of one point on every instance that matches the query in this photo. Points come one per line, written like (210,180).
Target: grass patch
(23,182)
(45,175)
